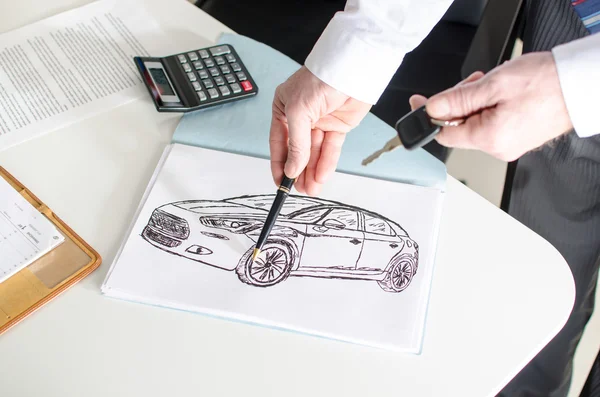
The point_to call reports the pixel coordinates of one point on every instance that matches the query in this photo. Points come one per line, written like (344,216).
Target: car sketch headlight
(234,226)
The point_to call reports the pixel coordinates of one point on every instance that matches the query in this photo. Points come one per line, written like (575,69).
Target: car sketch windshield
(310,216)
(291,205)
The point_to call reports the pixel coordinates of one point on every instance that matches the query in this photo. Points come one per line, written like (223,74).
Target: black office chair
(472,35)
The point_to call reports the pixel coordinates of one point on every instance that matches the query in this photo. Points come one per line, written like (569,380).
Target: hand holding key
(513,109)
(414,130)
(418,128)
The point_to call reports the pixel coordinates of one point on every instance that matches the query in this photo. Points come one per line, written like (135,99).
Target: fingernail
(438,107)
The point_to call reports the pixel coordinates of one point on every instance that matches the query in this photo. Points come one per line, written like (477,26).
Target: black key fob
(416,129)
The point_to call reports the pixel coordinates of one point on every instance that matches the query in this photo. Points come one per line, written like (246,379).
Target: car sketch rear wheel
(272,265)
(399,276)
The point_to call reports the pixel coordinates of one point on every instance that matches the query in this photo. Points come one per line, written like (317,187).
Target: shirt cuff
(578,66)
(351,65)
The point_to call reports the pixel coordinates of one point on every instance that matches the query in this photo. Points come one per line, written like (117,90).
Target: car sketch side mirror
(334,224)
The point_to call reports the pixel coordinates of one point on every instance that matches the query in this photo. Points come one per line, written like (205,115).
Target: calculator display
(162,83)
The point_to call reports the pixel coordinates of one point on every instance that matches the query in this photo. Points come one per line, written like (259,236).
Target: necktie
(589,12)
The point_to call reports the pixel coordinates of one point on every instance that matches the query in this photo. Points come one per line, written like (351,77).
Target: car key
(388,147)
(414,130)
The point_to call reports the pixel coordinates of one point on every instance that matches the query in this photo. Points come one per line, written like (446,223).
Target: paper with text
(353,264)
(72,66)
(25,233)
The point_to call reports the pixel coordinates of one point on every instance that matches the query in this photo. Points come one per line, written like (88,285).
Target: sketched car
(312,237)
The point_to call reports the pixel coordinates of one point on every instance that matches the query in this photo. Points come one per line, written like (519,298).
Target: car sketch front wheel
(399,276)
(272,265)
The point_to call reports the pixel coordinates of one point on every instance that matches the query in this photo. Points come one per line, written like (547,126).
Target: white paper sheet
(72,66)
(191,255)
(25,234)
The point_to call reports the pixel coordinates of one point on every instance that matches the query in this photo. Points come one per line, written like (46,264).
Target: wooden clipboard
(50,275)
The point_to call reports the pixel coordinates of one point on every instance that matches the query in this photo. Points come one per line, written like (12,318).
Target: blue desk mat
(242,127)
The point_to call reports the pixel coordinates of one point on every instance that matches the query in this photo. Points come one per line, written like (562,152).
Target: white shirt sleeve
(578,65)
(362,47)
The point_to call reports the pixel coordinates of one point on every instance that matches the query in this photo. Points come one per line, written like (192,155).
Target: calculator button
(182,58)
(202,96)
(187,67)
(197,86)
(203,74)
(213,93)
(246,85)
(193,56)
(191,76)
(220,50)
(220,60)
(209,63)
(230,58)
(230,78)
(225,69)
(236,67)
(241,76)
(214,71)
(224,90)
(208,83)
(235,88)
(219,80)
(203,53)
(198,65)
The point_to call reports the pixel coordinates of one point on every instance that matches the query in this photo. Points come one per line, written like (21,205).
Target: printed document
(72,66)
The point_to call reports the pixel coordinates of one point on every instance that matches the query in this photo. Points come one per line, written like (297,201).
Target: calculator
(196,79)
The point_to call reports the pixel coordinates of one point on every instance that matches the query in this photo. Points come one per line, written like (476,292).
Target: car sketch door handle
(355,241)
(394,245)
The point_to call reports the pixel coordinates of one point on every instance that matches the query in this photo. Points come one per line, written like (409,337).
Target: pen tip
(255,254)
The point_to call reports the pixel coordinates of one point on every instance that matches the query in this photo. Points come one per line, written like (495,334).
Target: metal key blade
(388,147)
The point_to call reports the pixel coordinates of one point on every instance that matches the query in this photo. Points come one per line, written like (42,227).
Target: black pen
(284,190)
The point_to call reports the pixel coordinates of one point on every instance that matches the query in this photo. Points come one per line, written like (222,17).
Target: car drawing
(312,238)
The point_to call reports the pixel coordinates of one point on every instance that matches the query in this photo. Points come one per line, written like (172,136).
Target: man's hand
(513,109)
(309,124)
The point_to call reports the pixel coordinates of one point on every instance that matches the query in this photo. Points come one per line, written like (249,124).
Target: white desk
(500,292)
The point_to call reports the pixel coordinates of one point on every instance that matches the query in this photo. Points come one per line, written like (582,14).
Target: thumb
(299,125)
(463,100)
